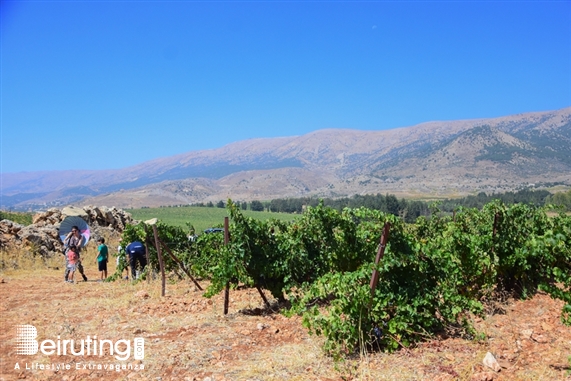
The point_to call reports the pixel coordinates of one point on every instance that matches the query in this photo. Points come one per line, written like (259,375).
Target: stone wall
(42,236)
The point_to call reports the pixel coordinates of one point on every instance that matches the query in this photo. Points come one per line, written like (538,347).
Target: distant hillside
(434,159)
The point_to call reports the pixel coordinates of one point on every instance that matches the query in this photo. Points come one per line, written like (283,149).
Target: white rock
(491,362)
(526,333)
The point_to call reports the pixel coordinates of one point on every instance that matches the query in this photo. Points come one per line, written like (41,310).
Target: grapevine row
(434,275)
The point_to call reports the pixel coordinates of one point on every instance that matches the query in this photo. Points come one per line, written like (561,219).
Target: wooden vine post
(161,263)
(149,270)
(174,258)
(495,230)
(227,289)
(148,242)
(380,254)
(266,302)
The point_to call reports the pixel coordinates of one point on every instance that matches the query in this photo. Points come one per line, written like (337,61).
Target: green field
(18,217)
(200,217)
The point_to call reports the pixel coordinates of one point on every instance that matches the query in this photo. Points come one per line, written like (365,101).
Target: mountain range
(429,160)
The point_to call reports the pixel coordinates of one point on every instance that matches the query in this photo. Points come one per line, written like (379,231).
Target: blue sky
(109,84)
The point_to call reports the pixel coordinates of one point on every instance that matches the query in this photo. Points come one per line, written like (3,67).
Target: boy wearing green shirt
(102,258)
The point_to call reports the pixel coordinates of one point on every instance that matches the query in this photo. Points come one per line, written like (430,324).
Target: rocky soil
(187,337)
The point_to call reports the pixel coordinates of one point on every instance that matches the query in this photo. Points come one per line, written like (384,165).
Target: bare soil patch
(187,337)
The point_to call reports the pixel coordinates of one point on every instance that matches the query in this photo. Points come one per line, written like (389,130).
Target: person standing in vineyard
(137,253)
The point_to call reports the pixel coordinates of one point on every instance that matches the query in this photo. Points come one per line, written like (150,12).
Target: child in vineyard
(102,258)
(72,259)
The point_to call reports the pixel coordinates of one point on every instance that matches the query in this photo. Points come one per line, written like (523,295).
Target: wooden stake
(180,264)
(494,230)
(380,254)
(149,268)
(263,296)
(227,290)
(161,264)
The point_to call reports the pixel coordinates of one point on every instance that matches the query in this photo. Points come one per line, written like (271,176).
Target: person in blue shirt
(137,254)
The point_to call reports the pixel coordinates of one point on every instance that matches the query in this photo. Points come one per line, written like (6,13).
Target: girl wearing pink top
(72,259)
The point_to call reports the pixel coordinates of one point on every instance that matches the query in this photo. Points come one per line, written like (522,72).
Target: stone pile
(42,236)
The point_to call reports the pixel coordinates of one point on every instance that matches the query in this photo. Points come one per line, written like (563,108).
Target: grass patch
(21,259)
(18,217)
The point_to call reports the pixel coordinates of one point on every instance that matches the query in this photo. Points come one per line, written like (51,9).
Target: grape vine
(435,273)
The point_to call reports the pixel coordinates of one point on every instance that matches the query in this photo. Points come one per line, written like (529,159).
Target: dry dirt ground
(187,337)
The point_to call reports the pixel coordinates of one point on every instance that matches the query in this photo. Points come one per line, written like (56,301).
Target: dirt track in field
(187,337)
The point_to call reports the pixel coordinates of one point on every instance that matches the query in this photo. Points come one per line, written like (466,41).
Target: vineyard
(202,217)
(432,276)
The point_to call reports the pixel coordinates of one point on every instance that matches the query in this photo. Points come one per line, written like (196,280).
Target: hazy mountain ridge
(433,158)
